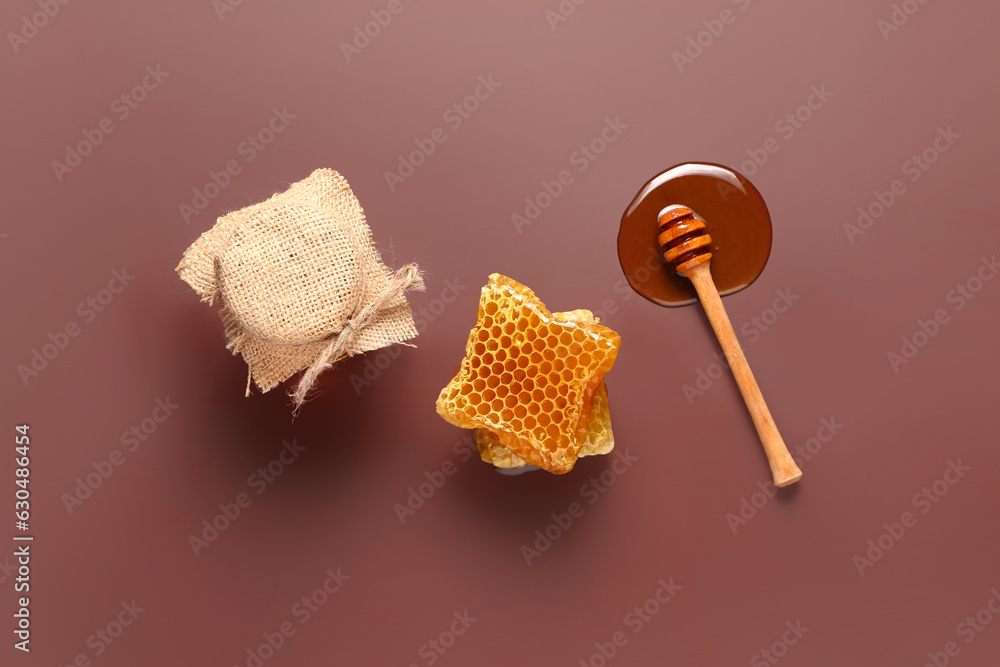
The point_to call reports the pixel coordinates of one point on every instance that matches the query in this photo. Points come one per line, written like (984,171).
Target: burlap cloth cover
(301,283)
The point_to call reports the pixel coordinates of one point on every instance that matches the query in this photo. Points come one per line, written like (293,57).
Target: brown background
(826,357)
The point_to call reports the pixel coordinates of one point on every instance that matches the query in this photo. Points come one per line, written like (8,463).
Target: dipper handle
(783,467)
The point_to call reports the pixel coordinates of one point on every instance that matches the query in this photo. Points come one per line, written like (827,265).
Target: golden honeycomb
(529,376)
(600,439)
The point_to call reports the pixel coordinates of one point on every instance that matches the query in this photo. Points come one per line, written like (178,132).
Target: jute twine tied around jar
(301,283)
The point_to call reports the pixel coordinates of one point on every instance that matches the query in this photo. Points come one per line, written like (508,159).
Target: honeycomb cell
(559,405)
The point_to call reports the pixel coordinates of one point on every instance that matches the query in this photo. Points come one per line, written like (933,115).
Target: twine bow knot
(343,343)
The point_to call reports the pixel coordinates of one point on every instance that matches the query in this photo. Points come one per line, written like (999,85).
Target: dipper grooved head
(684,239)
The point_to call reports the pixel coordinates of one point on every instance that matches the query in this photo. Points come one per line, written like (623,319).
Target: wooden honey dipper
(685,243)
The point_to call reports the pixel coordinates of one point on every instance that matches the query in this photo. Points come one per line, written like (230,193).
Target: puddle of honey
(734,214)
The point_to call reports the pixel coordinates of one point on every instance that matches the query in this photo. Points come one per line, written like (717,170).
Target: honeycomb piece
(529,376)
(600,439)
